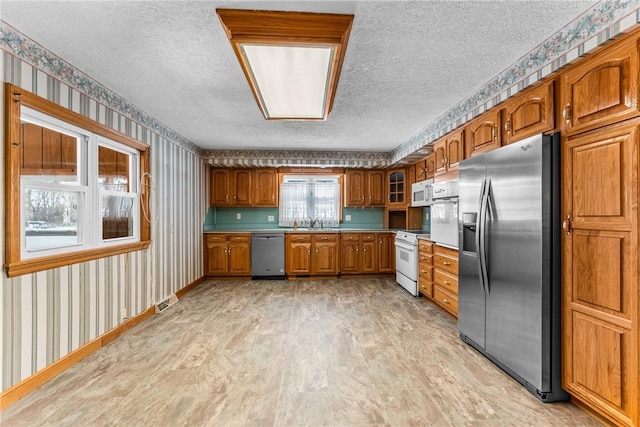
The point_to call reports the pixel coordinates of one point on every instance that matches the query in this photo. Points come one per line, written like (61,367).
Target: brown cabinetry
(350,253)
(397,188)
(386,253)
(601,90)
(367,253)
(484,133)
(231,187)
(600,267)
(227,254)
(425,268)
(445,278)
(265,182)
(448,152)
(529,113)
(312,254)
(421,170)
(364,188)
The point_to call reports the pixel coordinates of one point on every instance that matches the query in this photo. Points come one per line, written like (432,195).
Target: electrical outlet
(238,215)
(347,217)
(270,218)
(123,313)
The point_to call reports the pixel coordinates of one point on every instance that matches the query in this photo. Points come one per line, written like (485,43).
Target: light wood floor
(288,353)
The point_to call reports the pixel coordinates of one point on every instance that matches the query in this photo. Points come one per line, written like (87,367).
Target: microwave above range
(421,193)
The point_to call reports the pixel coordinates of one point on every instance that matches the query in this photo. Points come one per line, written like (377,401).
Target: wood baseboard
(23,388)
(20,390)
(189,287)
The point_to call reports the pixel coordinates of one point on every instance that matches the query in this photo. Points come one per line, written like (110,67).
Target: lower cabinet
(227,254)
(312,254)
(445,278)
(386,252)
(425,268)
(367,253)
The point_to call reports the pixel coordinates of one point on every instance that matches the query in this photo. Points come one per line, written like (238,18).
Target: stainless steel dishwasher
(267,255)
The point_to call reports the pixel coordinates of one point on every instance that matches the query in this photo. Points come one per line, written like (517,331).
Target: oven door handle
(405,245)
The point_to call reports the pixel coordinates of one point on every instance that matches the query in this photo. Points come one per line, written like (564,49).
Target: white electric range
(407,259)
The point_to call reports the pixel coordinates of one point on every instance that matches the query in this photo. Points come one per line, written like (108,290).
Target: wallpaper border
(599,24)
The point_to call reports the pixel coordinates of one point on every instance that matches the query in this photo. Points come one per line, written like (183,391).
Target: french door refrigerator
(509,277)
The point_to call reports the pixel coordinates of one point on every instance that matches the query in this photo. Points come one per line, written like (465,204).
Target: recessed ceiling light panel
(292,60)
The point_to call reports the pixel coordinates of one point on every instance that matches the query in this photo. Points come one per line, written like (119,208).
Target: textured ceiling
(406,64)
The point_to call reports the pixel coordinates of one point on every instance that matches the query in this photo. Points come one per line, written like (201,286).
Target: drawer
(425,271)
(425,258)
(325,237)
(445,263)
(425,246)
(448,252)
(446,300)
(216,237)
(425,287)
(368,237)
(446,281)
(298,237)
(351,236)
(239,237)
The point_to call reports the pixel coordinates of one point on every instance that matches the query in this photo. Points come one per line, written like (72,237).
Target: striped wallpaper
(47,315)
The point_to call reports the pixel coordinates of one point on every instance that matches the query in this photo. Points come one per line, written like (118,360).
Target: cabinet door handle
(316,250)
(309,251)
(566,114)
(234,197)
(363,197)
(369,198)
(495,132)
(356,249)
(566,225)
(507,126)
(226,197)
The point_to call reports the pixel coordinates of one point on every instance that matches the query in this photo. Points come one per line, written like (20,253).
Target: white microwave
(421,193)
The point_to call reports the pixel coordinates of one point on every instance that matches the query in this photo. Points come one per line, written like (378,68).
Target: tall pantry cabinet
(600,127)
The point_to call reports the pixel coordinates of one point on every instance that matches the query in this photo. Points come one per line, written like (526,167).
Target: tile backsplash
(260,218)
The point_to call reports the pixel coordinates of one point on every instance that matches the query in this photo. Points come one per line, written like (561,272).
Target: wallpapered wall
(49,314)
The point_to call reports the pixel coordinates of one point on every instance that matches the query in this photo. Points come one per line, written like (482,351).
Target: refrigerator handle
(478,241)
(482,250)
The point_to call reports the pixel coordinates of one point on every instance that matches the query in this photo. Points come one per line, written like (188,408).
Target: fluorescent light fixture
(292,60)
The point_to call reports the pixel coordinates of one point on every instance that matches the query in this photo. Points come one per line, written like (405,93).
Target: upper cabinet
(430,166)
(484,133)
(265,182)
(601,90)
(426,168)
(421,170)
(364,188)
(396,188)
(448,152)
(230,187)
(529,113)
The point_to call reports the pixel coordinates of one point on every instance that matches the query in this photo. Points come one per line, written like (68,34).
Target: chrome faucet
(313,222)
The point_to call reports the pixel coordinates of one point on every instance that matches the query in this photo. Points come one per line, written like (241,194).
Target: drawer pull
(446,282)
(446,263)
(446,301)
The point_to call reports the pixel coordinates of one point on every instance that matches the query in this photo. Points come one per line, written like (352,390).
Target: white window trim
(90,215)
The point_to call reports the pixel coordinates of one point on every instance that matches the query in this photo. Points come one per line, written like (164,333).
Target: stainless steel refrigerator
(509,278)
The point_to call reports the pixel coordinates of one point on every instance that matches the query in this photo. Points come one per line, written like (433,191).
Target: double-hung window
(309,200)
(75,188)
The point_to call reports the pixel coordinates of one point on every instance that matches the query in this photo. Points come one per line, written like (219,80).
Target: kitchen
(177,263)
